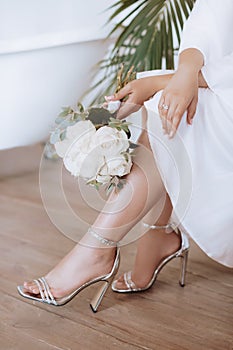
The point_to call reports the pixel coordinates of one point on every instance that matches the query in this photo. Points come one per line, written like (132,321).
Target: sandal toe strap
(45,292)
(128,281)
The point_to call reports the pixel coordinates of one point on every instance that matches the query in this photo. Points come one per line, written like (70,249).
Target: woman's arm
(137,92)
(140,90)
(181,93)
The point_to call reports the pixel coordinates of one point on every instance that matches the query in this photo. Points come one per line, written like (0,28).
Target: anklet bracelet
(102,239)
(155,227)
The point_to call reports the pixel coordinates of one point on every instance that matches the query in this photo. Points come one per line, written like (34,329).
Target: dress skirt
(197,170)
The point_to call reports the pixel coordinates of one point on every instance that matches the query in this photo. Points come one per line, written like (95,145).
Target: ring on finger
(164,106)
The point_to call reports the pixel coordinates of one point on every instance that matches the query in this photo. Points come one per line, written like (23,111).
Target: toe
(119,283)
(120,279)
(32,287)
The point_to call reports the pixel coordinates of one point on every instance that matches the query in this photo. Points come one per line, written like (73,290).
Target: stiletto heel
(183,267)
(181,253)
(45,295)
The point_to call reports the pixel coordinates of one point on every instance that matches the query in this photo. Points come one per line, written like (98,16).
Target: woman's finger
(170,115)
(178,114)
(120,94)
(163,108)
(191,111)
(127,108)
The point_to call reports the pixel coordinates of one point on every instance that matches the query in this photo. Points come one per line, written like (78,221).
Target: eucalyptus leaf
(66,123)
(59,120)
(77,117)
(55,136)
(63,135)
(63,114)
(66,109)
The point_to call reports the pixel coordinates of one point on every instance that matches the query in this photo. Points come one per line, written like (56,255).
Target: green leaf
(121,184)
(77,117)
(147,39)
(80,107)
(65,112)
(178,12)
(55,136)
(99,115)
(65,123)
(63,135)
(184,8)
(94,183)
(133,145)
(120,125)
(59,120)
(109,188)
(174,20)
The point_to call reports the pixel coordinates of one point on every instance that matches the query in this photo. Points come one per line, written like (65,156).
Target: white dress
(197,164)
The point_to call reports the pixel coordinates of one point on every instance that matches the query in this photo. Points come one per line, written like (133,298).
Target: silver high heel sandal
(45,295)
(181,253)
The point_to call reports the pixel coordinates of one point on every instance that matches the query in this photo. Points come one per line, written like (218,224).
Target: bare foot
(79,266)
(153,247)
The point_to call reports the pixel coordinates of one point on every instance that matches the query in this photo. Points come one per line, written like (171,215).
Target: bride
(186,152)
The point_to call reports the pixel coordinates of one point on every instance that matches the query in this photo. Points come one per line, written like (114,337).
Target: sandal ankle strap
(170,226)
(103,240)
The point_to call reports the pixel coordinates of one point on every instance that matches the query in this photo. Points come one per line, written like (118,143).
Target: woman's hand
(138,91)
(180,92)
(180,95)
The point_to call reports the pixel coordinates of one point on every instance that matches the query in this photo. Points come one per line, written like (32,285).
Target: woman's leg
(88,259)
(152,248)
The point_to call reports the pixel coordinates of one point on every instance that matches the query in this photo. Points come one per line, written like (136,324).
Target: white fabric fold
(219,77)
(209,29)
(197,165)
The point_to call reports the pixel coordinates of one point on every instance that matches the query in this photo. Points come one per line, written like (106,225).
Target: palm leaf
(147,40)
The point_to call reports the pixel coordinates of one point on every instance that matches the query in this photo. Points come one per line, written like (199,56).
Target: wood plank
(55,330)
(166,317)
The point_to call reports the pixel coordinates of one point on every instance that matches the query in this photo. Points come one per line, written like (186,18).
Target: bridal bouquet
(94,144)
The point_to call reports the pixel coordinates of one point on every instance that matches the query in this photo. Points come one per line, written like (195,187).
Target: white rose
(83,164)
(81,132)
(116,166)
(73,161)
(77,150)
(109,141)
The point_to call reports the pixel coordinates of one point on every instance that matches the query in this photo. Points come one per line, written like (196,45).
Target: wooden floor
(199,316)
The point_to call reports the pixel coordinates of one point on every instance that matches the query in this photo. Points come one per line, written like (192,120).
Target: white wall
(47,52)
(23,18)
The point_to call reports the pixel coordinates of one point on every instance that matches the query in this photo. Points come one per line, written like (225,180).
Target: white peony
(109,141)
(81,133)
